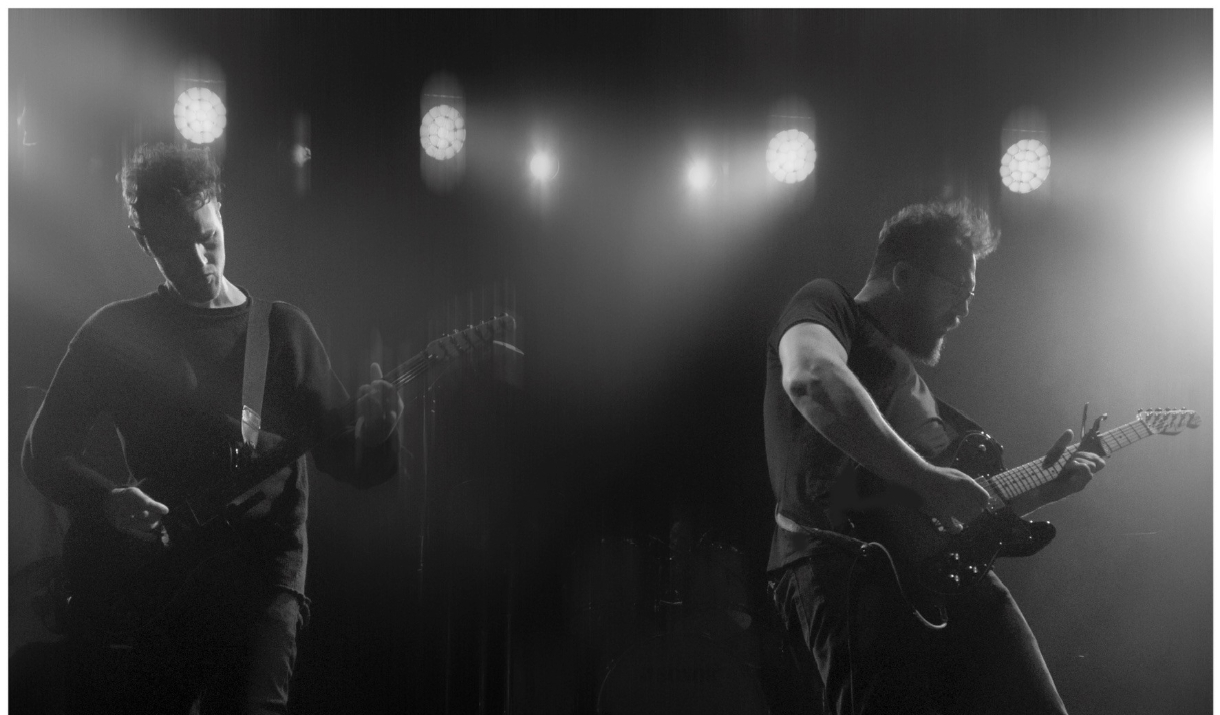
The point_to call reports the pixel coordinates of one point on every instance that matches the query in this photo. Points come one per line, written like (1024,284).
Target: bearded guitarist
(850,429)
(168,368)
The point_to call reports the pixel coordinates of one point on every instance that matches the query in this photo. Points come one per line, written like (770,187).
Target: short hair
(167,176)
(926,232)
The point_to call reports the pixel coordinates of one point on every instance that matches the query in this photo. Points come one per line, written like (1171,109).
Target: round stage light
(790,156)
(200,115)
(442,132)
(1025,166)
(699,175)
(543,166)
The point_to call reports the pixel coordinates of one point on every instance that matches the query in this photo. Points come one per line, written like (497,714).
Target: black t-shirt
(170,377)
(803,464)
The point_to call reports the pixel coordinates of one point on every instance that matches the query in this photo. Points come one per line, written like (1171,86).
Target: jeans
(874,656)
(229,648)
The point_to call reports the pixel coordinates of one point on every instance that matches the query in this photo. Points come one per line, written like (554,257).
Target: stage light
(200,115)
(543,166)
(300,155)
(699,175)
(1025,166)
(442,132)
(790,156)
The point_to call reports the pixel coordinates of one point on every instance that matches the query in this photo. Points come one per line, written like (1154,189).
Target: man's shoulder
(818,296)
(123,312)
(824,287)
(821,301)
(289,320)
(285,311)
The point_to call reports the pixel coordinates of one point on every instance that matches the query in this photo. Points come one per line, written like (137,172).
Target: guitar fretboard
(1014,482)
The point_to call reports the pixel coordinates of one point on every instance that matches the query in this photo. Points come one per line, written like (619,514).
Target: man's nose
(201,255)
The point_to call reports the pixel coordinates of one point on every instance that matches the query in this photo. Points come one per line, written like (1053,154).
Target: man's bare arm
(832,399)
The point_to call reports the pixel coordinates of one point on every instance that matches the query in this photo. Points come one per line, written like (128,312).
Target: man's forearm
(833,401)
(66,481)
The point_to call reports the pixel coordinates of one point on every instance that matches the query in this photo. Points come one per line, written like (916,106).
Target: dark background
(645,308)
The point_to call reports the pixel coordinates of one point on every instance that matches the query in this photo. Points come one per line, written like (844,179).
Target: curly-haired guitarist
(168,368)
(852,431)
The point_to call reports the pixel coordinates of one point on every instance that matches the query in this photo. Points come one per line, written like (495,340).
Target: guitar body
(941,563)
(120,585)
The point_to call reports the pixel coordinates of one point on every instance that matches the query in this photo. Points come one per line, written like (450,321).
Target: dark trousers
(874,656)
(228,648)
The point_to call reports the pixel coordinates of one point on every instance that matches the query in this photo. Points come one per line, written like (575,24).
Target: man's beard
(924,342)
(929,356)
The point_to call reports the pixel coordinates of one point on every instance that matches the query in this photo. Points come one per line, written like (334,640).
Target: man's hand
(134,513)
(952,495)
(1076,473)
(378,409)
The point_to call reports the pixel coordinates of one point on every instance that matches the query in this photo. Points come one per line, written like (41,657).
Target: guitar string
(1015,481)
(416,365)
(1112,440)
(487,326)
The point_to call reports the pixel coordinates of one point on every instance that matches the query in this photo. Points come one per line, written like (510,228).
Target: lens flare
(699,175)
(543,166)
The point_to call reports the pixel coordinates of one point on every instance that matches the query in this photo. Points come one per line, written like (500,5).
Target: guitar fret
(1005,484)
(1012,487)
(1031,477)
(1001,486)
(1013,482)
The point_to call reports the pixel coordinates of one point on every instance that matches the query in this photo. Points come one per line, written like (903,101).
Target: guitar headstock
(1168,421)
(464,340)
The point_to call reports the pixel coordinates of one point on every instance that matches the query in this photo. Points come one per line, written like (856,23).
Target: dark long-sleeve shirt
(170,377)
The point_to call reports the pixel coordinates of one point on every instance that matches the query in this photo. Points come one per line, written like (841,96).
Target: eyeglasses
(962,292)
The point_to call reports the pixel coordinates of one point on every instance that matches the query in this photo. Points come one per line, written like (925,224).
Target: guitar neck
(338,420)
(1014,482)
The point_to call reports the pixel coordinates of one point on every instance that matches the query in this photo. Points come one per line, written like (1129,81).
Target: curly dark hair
(168,176)
(925,232)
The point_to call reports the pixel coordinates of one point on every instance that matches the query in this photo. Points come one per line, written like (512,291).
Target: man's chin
(927,354)
(198,294)
(932,357)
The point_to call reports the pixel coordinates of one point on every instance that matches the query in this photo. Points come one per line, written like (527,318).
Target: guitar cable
(862,553)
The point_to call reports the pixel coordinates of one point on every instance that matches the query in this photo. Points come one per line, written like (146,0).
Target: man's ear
(901,275)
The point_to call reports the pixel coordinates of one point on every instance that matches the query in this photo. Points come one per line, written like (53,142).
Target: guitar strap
(258,341)
(955,418)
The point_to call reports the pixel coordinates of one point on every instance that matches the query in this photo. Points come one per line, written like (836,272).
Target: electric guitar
(942,563)
(119,586)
